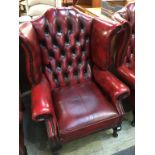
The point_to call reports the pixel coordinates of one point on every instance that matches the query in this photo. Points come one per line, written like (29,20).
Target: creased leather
(41,100)
(127,74)
(111,85)
(108,43)
(128,13)
(61,47)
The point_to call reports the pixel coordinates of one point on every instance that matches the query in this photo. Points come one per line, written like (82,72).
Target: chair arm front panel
(42,106)
(43,109)
(127,75)
(110,84)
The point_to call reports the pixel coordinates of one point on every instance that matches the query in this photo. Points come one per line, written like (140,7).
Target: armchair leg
(25,151)
(53,140)
(56,147)
(115,132)
(55,153)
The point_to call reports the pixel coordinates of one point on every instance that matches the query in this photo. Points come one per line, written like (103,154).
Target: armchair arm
(43,109)
(111,85)
(127,75)
(41,105)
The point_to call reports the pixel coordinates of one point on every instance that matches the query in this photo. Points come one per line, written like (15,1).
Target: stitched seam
(68,131)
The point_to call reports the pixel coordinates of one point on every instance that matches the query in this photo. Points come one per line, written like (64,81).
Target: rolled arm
(127,75)
(115,89)
(43,109)
(41,106)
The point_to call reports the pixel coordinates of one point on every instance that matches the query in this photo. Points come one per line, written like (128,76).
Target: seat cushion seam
(68,131)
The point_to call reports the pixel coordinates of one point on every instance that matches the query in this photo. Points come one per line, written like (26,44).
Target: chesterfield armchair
(68,55)
(126,70)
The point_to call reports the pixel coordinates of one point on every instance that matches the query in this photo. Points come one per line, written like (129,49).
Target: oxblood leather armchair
(72,90)
(127,69)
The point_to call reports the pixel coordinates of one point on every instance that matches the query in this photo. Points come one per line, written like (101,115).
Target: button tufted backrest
(63,39)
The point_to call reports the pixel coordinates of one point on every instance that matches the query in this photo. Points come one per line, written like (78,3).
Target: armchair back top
(64,43)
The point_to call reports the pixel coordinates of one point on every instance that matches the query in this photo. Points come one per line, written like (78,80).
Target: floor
(129,151)
(100,143)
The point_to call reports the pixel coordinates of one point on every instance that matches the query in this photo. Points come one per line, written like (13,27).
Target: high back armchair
(68,55)
(126,70)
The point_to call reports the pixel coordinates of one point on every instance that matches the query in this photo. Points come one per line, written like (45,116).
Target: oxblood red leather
(41,100)
(115,89)
(42,105)
(128,13)
(81,106)
(109,42)
(126,70)
(61,48)
(33,59)
(127,74)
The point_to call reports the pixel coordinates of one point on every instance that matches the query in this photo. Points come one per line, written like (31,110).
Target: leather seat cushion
(82,109)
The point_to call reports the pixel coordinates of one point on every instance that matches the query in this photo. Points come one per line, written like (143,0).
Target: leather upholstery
(61,48)
(126,70)
(128,75)
(41,98)
(80,106)
(128,13)
(55,60)
(110,43)
(115,89)
(70,67)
